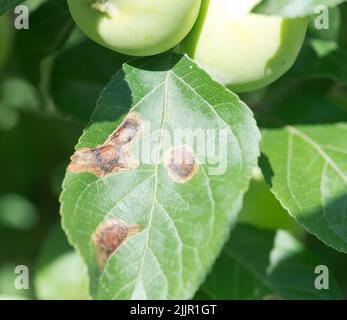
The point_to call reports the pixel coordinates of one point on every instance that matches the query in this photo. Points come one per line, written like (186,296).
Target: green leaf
(307,171)
(74,87)
(325,51)
(335,22)
(293,8)
(6,5)
(257,264)
(329,66)
(183,223)
(50,28)
(311,104)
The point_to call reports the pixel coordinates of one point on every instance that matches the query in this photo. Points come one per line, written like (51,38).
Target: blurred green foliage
(60,271)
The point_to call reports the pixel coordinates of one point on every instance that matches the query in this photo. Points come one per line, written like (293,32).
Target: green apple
(136,27)
(243,50)
(5,39)
(261,209)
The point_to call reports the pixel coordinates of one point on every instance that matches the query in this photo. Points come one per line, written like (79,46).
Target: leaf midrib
(163,120)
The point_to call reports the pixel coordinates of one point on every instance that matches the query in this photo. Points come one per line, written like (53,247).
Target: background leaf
(293,8)
(314,102)
(183,225)
(259,264)
(50,27)
(6,5)
(316,61)
(74,87)
(307,170)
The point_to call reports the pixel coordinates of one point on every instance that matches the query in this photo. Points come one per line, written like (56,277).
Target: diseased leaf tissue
(182,164)
(151,227)
(114,155)
(109,236)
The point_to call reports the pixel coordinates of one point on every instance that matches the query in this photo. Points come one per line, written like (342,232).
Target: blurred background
(49,83)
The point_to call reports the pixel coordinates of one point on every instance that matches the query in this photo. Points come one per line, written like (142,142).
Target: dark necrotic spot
(109,236)
(128,131)
(181,163)
(107,158)
(112,156)
(182,170)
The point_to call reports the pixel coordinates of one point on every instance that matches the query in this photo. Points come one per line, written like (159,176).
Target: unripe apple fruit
(5,39)
(262,210)
(243,50)
(136,27)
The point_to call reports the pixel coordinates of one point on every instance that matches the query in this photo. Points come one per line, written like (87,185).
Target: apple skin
(240,49)
(262,210)
(136,27)
(5,39)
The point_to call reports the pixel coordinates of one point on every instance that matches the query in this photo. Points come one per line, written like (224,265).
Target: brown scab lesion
(109,236)
(112,156)
(181,163)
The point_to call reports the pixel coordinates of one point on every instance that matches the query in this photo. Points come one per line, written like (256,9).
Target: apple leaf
(6,5)
(33,45)
(306,167)
(312,103)
(73,86)
(293,8)
(170,226)
(317,59)
(258,264)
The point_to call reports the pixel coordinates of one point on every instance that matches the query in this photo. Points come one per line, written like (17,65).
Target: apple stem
(103,7)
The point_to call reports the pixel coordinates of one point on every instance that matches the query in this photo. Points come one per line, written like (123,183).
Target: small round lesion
(109,236)
(181,163)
